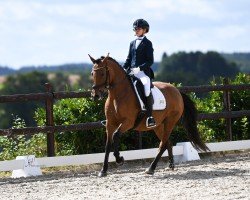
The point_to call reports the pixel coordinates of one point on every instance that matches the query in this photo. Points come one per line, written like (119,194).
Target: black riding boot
(150,121)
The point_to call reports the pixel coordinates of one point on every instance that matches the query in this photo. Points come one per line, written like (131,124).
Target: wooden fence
(49,97)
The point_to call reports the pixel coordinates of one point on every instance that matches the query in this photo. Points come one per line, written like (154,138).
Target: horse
(122,109)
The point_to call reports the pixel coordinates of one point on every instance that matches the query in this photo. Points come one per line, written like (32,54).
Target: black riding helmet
(141,23)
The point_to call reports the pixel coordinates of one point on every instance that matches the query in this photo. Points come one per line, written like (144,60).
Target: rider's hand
(128,71)
(135,70)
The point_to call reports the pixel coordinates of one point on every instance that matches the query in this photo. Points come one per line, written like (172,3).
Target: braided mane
(109,58)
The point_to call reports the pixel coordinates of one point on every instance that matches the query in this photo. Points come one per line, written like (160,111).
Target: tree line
(194,68)
(34,82)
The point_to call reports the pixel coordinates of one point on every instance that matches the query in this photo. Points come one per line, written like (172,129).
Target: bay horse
(122,108)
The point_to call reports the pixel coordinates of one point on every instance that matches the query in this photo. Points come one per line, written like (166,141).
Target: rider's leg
(150,122)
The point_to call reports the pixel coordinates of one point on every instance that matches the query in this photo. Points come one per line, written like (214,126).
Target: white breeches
(145,81)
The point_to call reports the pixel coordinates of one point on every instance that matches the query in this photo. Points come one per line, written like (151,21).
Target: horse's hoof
(149,171)
(171,166)
(120,162)
(102,174)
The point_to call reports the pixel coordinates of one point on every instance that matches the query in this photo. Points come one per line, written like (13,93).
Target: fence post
(227,107)
(50,121)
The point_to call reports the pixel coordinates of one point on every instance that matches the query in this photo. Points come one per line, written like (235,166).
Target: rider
(138,62)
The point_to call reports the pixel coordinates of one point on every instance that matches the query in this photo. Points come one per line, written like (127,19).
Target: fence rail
(86,94)
(49,96)
(209,88)
(42,96)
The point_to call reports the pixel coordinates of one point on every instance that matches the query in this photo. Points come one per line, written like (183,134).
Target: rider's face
(139,32)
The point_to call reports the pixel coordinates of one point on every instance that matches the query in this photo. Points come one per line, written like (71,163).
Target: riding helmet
(141,23)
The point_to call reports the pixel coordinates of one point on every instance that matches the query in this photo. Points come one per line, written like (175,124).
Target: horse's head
(100,76)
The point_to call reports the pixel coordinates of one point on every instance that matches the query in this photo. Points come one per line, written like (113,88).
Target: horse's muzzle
(97,95)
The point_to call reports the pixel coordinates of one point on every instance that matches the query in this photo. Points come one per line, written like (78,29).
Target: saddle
(159,99)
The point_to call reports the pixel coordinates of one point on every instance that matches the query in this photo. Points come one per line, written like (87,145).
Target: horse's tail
(190,123)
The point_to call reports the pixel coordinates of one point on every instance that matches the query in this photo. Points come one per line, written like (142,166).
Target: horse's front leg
(113,133)
(123,127)
(104,170)
(110,129)
(116,141)
(119,159)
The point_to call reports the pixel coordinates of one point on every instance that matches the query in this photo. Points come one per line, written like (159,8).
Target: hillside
(72,68)
(6,71)
(241,59)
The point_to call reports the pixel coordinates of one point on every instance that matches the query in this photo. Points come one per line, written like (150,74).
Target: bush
(74,111)
(16,145)
(214,130)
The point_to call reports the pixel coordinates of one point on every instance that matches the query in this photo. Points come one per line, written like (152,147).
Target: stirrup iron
(150,122)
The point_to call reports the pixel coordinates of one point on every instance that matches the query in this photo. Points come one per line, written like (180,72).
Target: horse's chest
(116,106)
(112,109)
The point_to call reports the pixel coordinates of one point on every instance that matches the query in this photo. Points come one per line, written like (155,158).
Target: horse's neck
(119,80)
(116,73)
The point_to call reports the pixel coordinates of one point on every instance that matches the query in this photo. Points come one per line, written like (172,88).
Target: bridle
(106,84)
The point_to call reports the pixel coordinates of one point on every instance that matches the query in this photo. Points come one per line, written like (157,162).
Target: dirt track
(226,177)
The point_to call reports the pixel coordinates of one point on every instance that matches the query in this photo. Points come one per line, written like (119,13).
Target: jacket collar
(140,38)
(143,39)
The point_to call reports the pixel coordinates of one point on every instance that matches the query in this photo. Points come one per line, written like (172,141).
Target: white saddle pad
(159,99)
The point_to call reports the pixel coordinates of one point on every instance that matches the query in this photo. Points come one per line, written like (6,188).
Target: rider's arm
(149,56)
(127,63)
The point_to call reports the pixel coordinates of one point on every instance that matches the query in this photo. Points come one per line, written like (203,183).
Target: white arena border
(85,159)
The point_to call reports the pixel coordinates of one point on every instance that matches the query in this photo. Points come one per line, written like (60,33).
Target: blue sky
(52,32)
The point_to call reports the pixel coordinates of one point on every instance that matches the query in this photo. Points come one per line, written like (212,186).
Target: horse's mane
(109,58)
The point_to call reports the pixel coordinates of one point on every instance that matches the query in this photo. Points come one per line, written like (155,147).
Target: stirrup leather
(150,122)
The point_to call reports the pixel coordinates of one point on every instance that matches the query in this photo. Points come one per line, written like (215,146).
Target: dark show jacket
(142,57)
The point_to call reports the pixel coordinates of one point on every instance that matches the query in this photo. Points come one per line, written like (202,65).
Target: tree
(213,64)
(194,68)
(21,84)
(59,81)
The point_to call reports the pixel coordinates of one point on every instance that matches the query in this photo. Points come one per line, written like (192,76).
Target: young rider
(139,61)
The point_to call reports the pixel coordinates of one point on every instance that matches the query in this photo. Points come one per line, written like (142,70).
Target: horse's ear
(106,58)
(92,59)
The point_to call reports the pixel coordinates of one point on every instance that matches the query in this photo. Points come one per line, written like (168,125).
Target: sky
(54,32)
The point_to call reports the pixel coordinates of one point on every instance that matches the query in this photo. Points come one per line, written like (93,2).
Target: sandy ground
(223,177)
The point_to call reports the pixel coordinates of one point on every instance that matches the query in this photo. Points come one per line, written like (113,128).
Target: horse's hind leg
(163,132)
(163,146)
(170,154)
(153,165)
